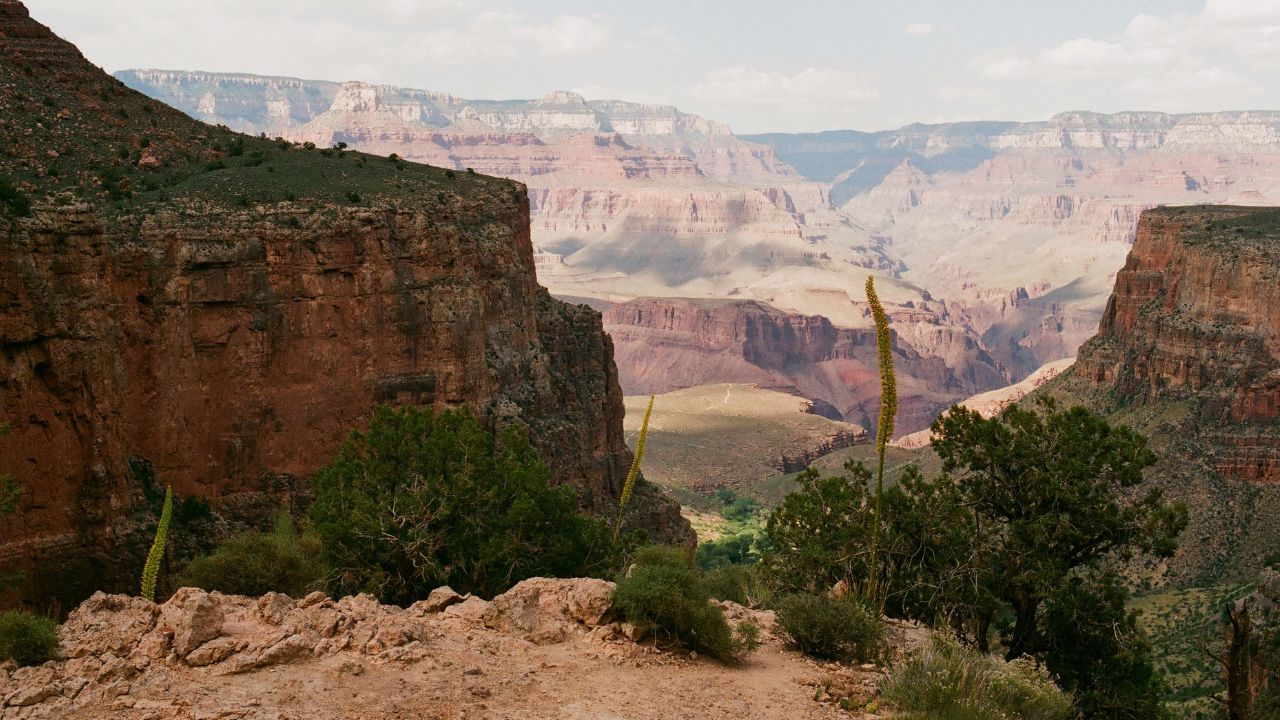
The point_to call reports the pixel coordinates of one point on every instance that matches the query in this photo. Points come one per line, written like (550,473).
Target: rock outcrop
(1195,317)
(218,320)
(545,648)
(668,344)
(1188,352)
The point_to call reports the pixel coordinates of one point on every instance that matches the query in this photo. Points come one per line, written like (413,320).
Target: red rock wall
(668,344)
(1196,315)
(234,355)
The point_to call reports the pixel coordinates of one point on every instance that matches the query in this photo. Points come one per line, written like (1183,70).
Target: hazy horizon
(824,66)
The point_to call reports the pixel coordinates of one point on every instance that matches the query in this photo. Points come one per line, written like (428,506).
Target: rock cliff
(181,305)
(1195,317)
(667,344)
(1188,351)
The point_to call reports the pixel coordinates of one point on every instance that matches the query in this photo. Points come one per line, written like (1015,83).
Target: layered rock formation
(1195,317)
(1188,351)
(627,199)
(667,344)
(977,210)
(184,306)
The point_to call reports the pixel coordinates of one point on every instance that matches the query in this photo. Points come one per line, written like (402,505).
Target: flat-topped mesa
(182,305)
(1195,316)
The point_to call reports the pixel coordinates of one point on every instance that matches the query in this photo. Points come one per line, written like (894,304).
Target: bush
(732,550)
(821,533)
(830,628)
(947,681)
(422,500)
(663,591)
(742,584)
(27,639)
(258,563)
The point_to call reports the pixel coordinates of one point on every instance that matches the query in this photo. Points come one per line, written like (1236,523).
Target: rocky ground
(545,649)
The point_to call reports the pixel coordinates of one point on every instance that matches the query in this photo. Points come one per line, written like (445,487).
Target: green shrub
(742,584)
(12,201)
(422,500)
(663,591)
(830,628)
(257,563)
(946,681)
(27,639)
(731,550)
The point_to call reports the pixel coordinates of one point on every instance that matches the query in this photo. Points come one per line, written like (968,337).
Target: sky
(775,66)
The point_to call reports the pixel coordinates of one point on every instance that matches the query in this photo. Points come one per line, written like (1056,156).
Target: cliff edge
(1188,351)
(183,305)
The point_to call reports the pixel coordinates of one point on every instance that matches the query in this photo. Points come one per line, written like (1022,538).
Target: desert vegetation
(27,638)
(948,681)
(663,592)
(283,560)
(424,499)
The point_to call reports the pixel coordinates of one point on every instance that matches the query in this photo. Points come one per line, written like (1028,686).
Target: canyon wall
(1195,316)
(1188,352)
(1018,227)
(666,344)
(975,211)
(181,306)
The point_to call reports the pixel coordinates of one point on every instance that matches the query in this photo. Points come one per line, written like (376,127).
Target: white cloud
(811,85)
(657,38)
(495,37)
(1168,60)
(919,29)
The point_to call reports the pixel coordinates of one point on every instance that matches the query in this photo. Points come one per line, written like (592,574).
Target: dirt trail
(545,651)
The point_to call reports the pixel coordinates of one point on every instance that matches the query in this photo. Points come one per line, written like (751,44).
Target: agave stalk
(634,471)
(884,428)
(151,570)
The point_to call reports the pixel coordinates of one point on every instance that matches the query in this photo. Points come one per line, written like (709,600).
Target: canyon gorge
(994,243)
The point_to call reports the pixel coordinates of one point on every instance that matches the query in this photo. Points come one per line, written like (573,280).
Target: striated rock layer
(1196,316)
(1188,351)
(668,344)
(222,329)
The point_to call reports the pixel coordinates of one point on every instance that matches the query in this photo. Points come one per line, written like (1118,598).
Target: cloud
(657,38)
(919,29)
(811,85)
(495,37)
(1171,60)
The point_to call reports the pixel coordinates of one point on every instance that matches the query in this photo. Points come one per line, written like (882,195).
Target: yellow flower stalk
(151,570)
(634,471)
(884,428)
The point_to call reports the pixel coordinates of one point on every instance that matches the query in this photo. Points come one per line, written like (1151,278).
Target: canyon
(183,306)
(994,244)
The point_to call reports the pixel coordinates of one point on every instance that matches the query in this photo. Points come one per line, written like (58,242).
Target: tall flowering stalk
(888,410)
(151,570)
(630,483)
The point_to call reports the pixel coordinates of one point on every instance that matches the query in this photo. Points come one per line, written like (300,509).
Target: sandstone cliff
(181,305)
(1189,351)
(667,344)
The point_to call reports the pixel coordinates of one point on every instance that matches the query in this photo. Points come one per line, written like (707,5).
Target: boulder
(194,617)
(546,610)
